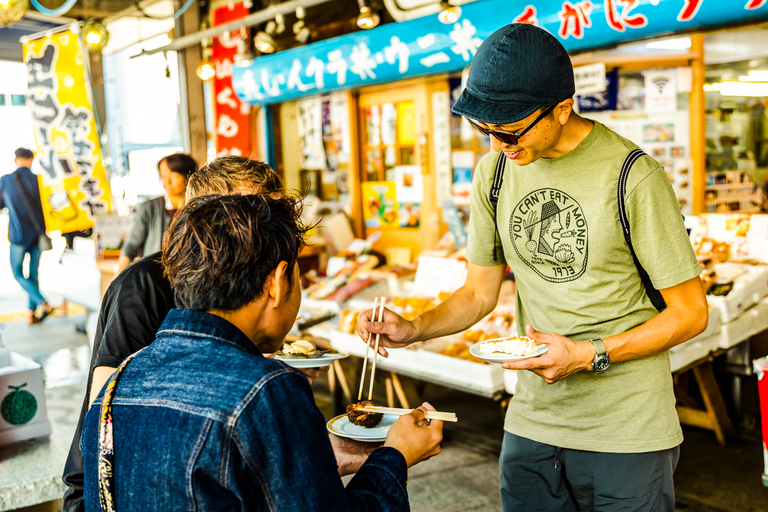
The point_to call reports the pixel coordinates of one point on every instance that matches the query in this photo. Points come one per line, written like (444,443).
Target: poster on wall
(310,119)
(380,204)
(73,181)
(409,184)
(232,116)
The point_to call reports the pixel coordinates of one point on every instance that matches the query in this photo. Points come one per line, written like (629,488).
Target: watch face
(602,363)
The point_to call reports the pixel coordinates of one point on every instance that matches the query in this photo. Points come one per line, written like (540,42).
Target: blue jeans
(29,284)
(536,476)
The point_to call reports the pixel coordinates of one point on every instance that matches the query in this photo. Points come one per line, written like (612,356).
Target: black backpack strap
(498,179)
(655,295)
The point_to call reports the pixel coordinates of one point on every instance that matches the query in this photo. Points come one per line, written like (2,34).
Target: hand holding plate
(564,356)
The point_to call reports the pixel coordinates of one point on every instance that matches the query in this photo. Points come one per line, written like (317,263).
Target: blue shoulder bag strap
(655,295)
(498,178)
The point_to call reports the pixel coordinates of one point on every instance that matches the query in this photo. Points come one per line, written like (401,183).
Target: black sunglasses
(507,137)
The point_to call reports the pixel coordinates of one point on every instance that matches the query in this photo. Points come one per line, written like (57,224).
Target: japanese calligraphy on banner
(232,116)
(425,46)
(74,186)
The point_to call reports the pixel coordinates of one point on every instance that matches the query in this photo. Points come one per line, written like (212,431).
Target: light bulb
(95,36)
(449,13)
(367,18)
(205,71)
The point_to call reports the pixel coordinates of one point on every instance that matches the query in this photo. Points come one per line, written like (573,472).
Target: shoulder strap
(26,199)
(656,299)
(498,178)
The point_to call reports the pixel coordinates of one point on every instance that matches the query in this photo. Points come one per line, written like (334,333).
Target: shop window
(736,136)
(650,108)
(18,100)
(324,159)
(2,100)
(389,139)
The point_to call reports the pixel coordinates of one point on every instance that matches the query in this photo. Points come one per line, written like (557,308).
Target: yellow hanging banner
(73,180)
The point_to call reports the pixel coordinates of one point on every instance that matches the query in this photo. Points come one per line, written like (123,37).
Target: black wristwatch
(602,359)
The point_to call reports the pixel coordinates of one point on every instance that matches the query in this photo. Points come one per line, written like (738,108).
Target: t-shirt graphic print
(549,234)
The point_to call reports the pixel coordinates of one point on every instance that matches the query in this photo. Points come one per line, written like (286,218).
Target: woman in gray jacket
(154,216)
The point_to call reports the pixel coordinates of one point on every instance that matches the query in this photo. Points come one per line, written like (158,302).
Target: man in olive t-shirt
(592,425)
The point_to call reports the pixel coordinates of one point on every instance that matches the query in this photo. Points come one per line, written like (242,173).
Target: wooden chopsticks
(378,302)
(431,415)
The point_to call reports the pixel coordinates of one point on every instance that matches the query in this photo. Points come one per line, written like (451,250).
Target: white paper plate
(499,357)
(315,362)
(342,427)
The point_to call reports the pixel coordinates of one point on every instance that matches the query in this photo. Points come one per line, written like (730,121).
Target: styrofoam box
(692,350)
(17,370)
(713,326)
(749,323)
(426,363)
(748,289)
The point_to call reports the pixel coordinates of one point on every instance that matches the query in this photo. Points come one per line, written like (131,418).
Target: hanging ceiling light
(205,70)
(263,41)
(95,35)
(367,17)
(448,13)
(12,10)
(300,28)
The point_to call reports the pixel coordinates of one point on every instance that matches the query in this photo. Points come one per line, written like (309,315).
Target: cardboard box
(22,399)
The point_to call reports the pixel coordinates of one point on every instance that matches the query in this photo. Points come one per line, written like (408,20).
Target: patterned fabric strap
(106,442)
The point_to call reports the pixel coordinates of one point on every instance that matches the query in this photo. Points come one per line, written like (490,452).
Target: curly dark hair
(220,249)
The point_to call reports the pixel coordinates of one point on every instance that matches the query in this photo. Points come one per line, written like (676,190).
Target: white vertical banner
(441,133)
(311,134)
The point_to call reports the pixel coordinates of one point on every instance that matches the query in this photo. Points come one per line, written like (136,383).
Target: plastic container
(761,370)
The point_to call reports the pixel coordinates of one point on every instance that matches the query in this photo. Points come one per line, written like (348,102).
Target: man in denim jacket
(200,420)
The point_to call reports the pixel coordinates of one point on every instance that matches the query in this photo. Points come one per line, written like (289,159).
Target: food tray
(748,289)
(426,363)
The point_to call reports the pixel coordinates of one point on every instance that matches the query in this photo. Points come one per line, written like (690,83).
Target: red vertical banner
(232,116)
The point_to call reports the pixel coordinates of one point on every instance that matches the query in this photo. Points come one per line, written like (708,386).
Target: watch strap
(599,347)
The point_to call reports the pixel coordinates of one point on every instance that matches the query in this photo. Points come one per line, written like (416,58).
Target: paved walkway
(464,477)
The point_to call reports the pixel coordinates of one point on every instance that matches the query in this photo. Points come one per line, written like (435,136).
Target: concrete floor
(464,477)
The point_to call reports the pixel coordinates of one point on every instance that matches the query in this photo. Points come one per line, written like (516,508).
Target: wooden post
(697,106)
(191,88)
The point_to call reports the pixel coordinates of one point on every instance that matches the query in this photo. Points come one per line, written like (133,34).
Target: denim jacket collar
(198,323)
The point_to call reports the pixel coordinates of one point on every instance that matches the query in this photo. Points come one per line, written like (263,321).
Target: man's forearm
(686,316)
(460,311)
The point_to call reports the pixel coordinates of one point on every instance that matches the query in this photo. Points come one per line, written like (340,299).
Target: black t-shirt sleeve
(132,311)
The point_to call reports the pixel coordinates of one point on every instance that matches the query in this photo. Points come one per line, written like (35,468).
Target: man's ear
(563,111)
(278,288)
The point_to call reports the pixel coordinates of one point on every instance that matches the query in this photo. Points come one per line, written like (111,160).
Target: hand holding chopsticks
(430,415)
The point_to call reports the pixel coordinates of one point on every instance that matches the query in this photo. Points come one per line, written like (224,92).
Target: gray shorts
(539,477)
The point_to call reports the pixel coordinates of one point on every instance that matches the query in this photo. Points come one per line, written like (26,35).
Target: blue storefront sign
(425,46)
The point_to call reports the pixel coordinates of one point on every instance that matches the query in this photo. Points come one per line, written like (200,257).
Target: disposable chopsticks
(431,415)
(376,303)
